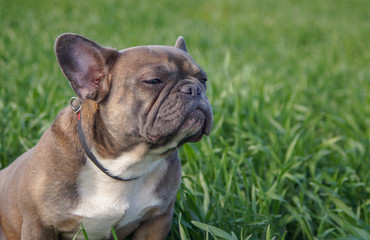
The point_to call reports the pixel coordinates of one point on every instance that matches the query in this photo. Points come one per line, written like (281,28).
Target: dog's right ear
(180,43)
(86,65)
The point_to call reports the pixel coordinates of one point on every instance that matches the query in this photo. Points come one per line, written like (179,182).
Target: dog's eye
(204,80)
(153,81)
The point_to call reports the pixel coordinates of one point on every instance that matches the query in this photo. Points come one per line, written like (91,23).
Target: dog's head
(151,94)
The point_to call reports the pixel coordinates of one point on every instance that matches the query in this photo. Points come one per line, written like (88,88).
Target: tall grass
(289,82)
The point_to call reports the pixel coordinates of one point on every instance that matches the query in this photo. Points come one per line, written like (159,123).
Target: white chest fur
(106,202)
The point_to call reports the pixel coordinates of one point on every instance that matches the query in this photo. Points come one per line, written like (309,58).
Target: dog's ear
(86,65)
(180,43)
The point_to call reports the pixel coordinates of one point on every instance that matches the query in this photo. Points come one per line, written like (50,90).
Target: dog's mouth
(191,130)
(196,124)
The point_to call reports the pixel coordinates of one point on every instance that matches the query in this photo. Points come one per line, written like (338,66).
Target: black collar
(86,148)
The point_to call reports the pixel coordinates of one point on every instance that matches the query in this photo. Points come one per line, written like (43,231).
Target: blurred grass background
(289,81)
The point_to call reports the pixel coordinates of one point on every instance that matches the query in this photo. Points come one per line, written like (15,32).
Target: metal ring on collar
(77,108)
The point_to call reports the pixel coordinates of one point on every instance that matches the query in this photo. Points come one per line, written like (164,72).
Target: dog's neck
(98,137)
(136,163)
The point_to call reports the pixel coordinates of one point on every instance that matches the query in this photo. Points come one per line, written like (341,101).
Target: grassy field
(289,82)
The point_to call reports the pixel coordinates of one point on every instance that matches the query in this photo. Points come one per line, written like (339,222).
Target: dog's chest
(106,202)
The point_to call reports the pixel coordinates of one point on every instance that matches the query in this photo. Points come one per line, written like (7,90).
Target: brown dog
(111,159)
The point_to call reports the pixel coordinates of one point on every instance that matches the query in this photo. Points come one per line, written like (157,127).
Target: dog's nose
(191,89)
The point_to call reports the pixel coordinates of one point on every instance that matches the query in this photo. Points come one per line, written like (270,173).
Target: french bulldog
(110,159)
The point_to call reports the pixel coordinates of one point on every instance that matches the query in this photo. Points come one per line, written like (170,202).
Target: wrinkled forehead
(160,57)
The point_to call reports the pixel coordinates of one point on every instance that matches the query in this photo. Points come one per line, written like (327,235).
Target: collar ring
(75,104)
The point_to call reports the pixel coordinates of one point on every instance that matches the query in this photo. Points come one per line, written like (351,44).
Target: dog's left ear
(180,43)
(86,65)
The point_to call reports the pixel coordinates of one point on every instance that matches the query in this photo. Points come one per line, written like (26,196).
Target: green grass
(289,81)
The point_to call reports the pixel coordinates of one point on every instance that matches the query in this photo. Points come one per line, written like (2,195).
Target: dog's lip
(204,122)
(155,138)
(205,128)
(194,138)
